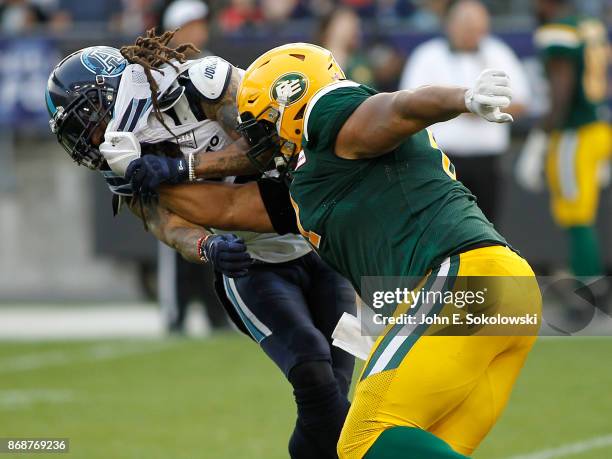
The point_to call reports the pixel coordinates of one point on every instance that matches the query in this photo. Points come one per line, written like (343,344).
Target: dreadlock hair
(151,52)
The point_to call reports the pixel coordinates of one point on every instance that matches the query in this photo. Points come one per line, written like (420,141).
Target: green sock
(585,258)
(410,443)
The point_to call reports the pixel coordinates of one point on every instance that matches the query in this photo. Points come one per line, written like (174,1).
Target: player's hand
(228,254)
(529,168)
(147,173)
(490,94)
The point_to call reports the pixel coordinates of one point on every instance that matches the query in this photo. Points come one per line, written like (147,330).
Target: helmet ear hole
(300,114)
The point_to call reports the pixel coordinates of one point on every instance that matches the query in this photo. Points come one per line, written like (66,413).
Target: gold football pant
(452,386)
(572,168)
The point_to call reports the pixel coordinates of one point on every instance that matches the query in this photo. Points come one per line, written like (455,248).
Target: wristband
(201,246)
(191,166)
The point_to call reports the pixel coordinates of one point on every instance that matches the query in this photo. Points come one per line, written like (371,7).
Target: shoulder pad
(210,76)
(170,98)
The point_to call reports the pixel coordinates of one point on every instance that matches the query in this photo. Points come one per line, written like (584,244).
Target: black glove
(148,172)
(228,254)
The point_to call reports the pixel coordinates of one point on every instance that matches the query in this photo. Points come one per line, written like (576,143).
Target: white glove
(529,168)
(120,149)
(490,94)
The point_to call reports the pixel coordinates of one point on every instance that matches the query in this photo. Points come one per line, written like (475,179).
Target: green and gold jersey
(396,215)
(584,41)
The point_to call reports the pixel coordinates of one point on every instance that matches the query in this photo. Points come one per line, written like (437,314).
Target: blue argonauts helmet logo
(103,60)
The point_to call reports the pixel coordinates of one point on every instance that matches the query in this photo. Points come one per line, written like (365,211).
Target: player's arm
(217,100)
(219,205)
(171,229)
(263,206)
(562,80)
(232,160)
(382,122)
(227,252)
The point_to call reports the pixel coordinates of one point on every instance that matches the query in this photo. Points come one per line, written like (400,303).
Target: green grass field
(221,398)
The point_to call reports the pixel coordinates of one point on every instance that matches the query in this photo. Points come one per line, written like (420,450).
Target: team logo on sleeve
(103,60)
(289,88)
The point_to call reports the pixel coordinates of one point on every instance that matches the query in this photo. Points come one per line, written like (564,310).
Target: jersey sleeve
(329,109)
(275,196)
(558,40)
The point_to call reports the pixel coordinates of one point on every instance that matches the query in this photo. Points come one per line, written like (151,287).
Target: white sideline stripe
(18,398)
(117,320)
(570,449)
(93,353)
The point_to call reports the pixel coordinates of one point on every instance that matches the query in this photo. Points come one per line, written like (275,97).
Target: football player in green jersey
(573,140)
(376,196)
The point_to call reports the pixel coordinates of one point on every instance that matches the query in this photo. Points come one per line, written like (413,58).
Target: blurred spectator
(138,16)
(320,8)
(17,16)
(275,12)
(240,13)
(365,8)
(473,144)
(340,32)
(386,63)
(429,14)
(393,10)
(191,18)
(70,12)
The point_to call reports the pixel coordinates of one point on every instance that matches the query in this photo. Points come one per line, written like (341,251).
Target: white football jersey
(134,111)
(210,77)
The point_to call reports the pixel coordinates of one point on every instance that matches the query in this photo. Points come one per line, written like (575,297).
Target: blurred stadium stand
(58,239)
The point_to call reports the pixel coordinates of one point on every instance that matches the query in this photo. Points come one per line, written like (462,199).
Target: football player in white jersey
(110,107)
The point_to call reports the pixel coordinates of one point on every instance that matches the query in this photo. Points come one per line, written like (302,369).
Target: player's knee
(309,374)
(309,340)
(313,356)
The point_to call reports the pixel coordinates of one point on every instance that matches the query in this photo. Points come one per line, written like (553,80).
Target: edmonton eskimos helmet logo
(104,60)
(289,88)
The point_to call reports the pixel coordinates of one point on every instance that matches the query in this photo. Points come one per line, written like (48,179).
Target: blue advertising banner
(25,64)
